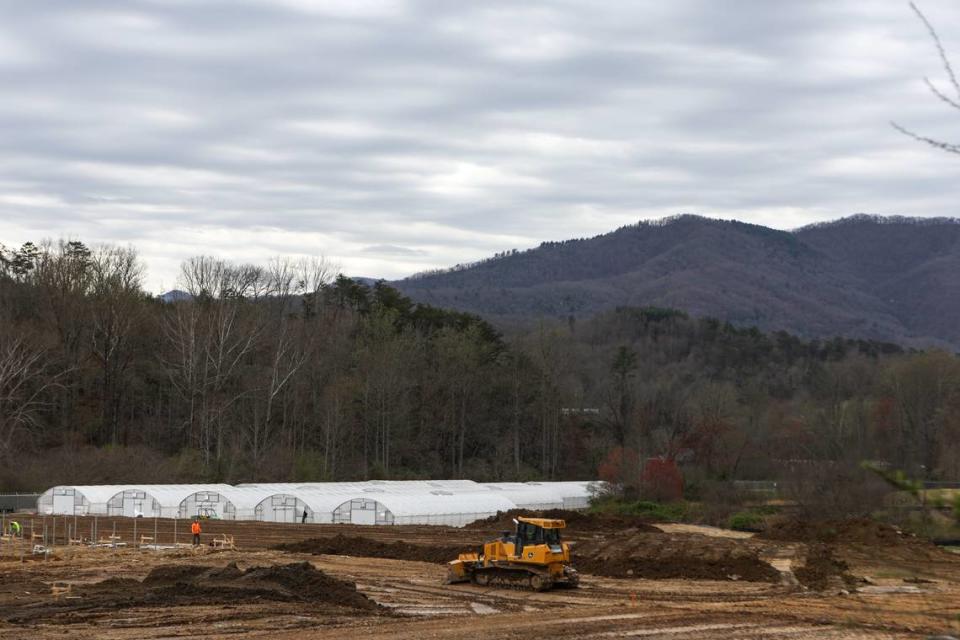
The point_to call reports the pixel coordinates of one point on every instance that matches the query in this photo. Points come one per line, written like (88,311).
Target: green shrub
(766,509)
(658,511)
(745,521)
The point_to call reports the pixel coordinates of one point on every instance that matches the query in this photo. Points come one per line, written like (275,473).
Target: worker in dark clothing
(303,519)
(195,530)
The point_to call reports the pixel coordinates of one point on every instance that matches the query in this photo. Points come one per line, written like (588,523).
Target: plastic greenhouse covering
(384,502)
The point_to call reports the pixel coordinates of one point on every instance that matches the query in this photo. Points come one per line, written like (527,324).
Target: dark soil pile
(821,569)
(358,546)
(576,521)
(181,585)
(299,581)
(632,554)
(176,574)
(854,531)
(304,582)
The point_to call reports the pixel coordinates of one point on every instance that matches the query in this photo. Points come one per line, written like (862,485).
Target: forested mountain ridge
(864,276)
(286,372)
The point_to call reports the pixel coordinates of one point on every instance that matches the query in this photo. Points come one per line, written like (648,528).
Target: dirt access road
(124,593)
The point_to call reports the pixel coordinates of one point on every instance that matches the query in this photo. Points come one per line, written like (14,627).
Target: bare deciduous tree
(207,339)
(116,292)
(25,383)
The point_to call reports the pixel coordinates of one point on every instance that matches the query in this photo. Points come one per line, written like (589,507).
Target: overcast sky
(394,136)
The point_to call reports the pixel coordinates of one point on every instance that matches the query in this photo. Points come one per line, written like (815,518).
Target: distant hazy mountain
(174,296)
(863,276)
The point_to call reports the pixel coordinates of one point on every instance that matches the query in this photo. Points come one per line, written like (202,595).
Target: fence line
(10,502)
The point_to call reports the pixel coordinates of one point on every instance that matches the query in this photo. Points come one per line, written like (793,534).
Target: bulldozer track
(521,579)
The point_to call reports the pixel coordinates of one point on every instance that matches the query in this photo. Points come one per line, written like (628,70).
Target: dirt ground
(330,586)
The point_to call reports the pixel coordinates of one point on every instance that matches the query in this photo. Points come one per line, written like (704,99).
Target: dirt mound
(182,585)
(854,531)
(821,569)
(358,546)
(290,582)
(631,554)
(305,582)
(576,521)
(173,574)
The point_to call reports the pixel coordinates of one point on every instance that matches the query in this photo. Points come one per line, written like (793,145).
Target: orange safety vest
(195,528)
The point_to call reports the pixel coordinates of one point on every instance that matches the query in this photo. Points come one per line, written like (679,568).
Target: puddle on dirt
(432,610)
(482,609)
(884,590)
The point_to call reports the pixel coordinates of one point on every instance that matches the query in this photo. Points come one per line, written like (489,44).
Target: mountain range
(883,278)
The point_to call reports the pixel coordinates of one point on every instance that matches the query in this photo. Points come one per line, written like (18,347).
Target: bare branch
(943,54)
(945,98)
(946,146)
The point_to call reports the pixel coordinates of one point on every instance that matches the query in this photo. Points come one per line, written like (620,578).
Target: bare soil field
(386,582)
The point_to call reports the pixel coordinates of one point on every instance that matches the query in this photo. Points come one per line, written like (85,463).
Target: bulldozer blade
(454,576)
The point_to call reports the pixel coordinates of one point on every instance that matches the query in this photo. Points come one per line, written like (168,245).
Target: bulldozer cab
(535,531)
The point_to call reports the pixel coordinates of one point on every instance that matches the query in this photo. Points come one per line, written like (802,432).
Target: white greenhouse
(209,503)
(284,507)
(527,496)
(545,495)
(77,500)
(321,505)
(262,502)
(446,502)
(157,500)
(453,510)
(575,495)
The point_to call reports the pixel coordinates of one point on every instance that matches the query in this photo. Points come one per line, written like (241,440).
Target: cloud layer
(394,136)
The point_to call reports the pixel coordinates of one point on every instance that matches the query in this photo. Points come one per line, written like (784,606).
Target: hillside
(880,278)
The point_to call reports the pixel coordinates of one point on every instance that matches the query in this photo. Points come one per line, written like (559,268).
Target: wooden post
(136,541)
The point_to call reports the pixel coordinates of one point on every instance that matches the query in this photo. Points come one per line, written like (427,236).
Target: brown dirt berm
(821,569)
(637,554)
(358,546)
(576,521)
(856,531)
(181,585)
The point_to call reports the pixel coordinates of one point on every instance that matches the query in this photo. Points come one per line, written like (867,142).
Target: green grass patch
(654,511)
(745,521)
(893,574)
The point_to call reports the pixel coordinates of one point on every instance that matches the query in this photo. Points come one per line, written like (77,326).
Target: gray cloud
(405,135)
(392,250)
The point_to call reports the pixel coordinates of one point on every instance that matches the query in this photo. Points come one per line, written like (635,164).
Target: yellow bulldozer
(533,557)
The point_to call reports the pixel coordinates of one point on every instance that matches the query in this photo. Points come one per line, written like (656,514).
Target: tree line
(290,371)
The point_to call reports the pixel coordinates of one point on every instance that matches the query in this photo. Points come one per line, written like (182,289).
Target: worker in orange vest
(195,530)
